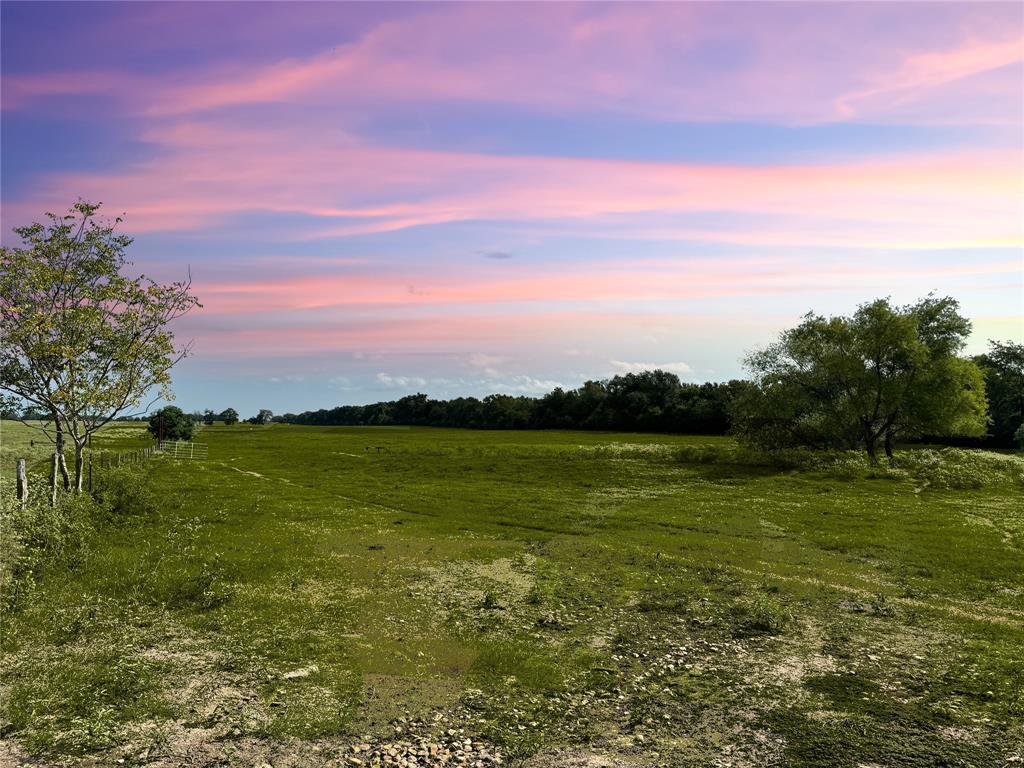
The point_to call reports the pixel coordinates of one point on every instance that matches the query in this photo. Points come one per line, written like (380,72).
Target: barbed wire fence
(102,460)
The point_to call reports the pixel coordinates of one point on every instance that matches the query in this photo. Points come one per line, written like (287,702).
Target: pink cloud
(923,72)
(649,60)
(614,282)
(204,175)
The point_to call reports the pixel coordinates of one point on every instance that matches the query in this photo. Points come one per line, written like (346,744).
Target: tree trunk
(870,441)
(869,446)
(61,464)
(53,481)
(888,444)
(79,466)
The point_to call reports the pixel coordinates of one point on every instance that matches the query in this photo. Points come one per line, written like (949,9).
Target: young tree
(171,423)
(229,416)
(83,341)
(883,374)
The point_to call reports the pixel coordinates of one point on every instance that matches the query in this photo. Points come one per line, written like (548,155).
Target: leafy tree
(882,374)
(209,417)
(263,417)
(171,423)
(1004,380)
(229,416)
(82,341)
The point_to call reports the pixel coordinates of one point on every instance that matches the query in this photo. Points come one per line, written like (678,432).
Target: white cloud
(400,382)
(530,385)
(680,369)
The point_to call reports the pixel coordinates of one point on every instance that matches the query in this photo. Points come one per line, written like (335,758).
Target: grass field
(559,599)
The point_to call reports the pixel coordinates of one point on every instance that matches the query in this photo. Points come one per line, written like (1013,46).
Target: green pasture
(558,596)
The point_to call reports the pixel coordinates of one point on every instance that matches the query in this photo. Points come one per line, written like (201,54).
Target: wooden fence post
(22,483)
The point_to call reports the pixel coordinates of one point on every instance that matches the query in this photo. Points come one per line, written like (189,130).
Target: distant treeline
(651,401)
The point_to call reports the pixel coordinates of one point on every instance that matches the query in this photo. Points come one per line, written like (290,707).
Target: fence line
(177,449)
(181,449)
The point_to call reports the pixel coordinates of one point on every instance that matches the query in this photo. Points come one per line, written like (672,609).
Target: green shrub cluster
(959,468)
(946,468)
(37,535)
(760,615)
(125,492)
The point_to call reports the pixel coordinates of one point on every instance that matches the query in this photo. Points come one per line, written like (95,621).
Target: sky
(380,199)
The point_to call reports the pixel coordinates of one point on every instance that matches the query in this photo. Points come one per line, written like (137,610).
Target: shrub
(36,534)
(946,468)
(760,615)
(126,492)
(957,468)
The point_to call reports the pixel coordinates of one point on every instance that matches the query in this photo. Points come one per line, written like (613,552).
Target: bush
(947,468)
(760,615)
(37,534)
(126,492)
(958,468)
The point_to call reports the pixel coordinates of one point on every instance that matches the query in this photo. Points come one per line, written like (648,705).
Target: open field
(558,598)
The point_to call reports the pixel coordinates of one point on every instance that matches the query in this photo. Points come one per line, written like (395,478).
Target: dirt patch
(467,584)
(575,758)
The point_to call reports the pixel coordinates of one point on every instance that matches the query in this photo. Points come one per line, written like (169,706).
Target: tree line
(650,401)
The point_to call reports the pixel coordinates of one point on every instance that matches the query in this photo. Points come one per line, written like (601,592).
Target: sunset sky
(467,198)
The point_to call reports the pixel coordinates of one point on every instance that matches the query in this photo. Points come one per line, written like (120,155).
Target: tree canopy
(882,374)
